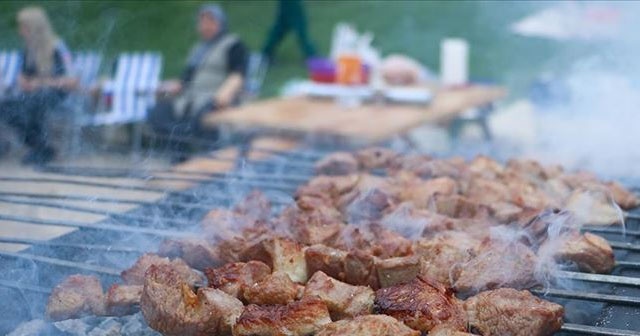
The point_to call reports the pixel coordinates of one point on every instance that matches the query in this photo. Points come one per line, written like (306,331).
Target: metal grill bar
(99,226)
(589,330)
(113,215)
(23,287)
(612,231)
(103,248)
(62,263)
(601,278)
(565,294)
(627,264)
(624,246)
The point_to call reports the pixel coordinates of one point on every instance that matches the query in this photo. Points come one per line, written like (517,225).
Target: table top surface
(369,123)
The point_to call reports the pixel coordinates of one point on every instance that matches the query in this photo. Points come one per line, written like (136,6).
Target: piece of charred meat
(342,299)
(135,275)
(589,252)
(170,305)
(76,296)
(255,205)
(314,225)
(235,278)
(421,304)
(276,288)
(509,312)
(368,325)
(300,318)
(325,259)
(446,331)
(623,197)
(498,264)
(197,253)
(373,239)
(444,255)
(123,299)
(339,163)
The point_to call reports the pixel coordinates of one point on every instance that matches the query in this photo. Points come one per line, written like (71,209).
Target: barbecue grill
(594,304)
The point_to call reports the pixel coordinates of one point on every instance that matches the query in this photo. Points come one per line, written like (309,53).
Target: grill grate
(602,304)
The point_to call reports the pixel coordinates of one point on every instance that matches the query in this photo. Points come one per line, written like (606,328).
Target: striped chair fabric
(10,62)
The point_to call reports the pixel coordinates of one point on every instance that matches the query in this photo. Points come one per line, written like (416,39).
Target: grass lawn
(411,27)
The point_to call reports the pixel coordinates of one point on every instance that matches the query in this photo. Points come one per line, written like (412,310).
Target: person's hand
(223,99)
(29,85)
(170,87)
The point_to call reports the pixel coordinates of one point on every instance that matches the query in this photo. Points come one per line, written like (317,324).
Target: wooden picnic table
(367,123)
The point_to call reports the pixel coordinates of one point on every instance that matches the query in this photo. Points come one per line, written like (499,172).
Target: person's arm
(234,83)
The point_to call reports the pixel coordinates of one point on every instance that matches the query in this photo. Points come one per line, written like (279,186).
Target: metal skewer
(24,287)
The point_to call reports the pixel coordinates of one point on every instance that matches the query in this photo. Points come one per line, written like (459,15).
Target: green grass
(411,27)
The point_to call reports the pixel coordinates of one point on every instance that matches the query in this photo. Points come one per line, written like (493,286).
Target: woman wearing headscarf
(44,82)
(212,79)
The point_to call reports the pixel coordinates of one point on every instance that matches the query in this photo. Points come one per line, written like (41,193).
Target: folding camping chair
(10,62)
(127,97)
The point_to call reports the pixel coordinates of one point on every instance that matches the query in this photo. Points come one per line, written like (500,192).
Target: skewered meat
(235,278)
(123,299)
(593,206)
(394,271)
(304,317)
(509,312)
(282,255)
(342,300)
(135,275)
(76,296)
(498,264)
(444,255)
(339,163)
(375,157)
(276,288)
(589,252)
(170,306)
(325,259)
(368,325)
(197,253)
(421,304)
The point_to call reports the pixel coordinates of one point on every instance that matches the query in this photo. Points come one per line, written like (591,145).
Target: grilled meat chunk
(255,205)
(276,288)
(123,299)
(304,317)
(446,331)
(343,300)
(135,275)
(359,269)
(368,325)
(326,259)
(455,206)
(623,197)
(338,163)
(76,296)
(496,265)
(235,278)
(509,312)
(394,271)
(591,253)
(197,253)
(170,306)
(593,206)
(220,224)
(282,255)
(375,157)
(444,255)
(421,304)
(373,239)
(315,225)
(420,192)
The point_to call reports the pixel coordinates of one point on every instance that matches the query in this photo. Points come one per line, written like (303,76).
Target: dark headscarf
(201,49)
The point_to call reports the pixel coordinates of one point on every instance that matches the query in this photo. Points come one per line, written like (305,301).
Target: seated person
(44,82)
(213,79)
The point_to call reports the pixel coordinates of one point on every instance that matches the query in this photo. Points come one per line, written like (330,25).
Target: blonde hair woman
(44,81)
